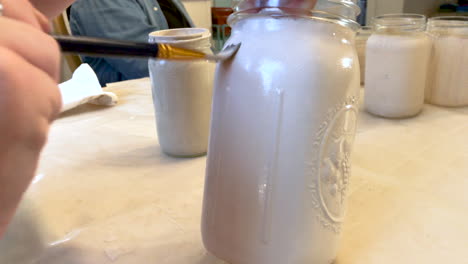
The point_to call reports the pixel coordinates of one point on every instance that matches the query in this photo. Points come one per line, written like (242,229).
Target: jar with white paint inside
(361,42)
(397,59)
(283,124)
(182,92)
(448,76)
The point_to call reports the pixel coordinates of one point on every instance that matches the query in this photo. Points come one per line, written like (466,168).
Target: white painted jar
(448,76)
(182,93)
(283,124)
(361,42)
(397,59)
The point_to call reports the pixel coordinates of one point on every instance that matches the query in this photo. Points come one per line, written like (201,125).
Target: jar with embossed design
(282,128)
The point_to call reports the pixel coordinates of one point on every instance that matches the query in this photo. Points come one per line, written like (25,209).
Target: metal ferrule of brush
(173,53)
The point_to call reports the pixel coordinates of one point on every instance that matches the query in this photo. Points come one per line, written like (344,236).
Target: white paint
(396,72)
(277,105)
(448,79)
(182,93)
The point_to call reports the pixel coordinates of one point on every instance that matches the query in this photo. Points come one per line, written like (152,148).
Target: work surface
(104,192)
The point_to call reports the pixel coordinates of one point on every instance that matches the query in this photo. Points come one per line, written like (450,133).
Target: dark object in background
(361,19)
(462,9)
(175,18)
(448,8)
(462,6)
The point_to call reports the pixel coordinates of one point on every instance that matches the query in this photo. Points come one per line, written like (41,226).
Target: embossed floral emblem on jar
(333,142)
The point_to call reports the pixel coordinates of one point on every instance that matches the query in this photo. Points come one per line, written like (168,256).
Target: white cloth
(83,88)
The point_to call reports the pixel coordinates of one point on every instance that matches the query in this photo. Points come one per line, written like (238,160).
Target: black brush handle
(106,47)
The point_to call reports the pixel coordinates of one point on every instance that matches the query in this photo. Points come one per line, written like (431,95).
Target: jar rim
(448,22)
(402,15)
(401,21)
(175,34)
(189,38)
(350,4)
(345,8)
(281,12)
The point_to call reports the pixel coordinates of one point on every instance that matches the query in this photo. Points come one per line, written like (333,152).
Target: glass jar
(283,124)
(361,42)
(182,93)
(448,78)
(397,60)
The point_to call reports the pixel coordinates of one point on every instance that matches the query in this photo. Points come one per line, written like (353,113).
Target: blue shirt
(119,19)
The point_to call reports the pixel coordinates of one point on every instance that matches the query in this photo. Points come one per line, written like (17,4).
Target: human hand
(29,98)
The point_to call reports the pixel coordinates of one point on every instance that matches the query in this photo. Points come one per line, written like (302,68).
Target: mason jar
(182,93)
(282,128)
(448,76)
(397,58)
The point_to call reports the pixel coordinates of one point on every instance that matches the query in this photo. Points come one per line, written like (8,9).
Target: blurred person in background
(129,20)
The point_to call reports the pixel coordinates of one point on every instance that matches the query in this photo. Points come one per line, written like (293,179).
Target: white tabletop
(104,192)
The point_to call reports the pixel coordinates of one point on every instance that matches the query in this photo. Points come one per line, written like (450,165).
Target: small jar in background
(361,42)
(182,92)
(397,58)
(448,76)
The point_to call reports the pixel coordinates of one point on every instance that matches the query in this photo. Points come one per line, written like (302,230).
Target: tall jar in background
(448,75)
(283,124)
(397,59)
(361,42)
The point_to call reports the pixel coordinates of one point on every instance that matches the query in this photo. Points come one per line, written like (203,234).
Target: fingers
(43,21)
(23,10)
(39,49)
(30,98)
